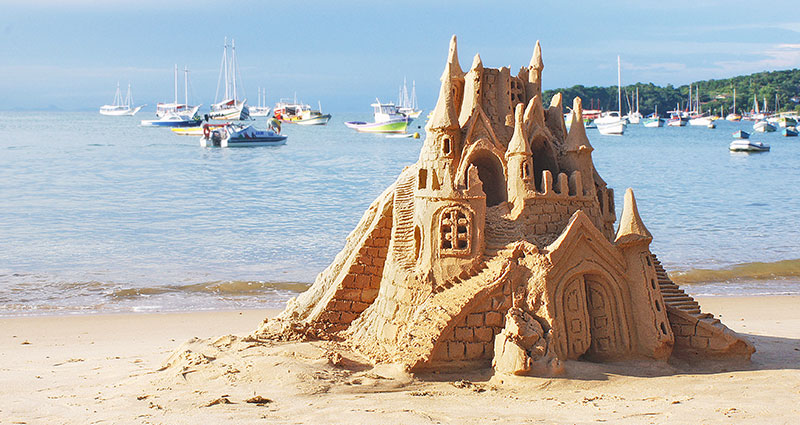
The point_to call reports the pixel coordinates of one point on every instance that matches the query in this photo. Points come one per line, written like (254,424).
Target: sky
(70,54)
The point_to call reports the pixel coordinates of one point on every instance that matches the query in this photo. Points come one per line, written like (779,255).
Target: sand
(183,369)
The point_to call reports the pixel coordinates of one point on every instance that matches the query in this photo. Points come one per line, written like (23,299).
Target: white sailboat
(634,117)
(613,122)
(120,106)
(408,105)
(262,110)
(230,108)
(733,116)
(163,109)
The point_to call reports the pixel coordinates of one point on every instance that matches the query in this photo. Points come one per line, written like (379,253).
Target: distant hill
(714,94)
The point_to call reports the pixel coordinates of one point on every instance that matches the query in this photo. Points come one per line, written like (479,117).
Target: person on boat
(274,125)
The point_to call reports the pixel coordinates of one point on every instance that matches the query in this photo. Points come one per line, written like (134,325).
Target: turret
(452,71)
(472,90)
(578,150)
(632,232)
(535,72)
(520,163)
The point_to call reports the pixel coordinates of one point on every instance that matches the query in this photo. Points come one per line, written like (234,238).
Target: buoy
(416,135)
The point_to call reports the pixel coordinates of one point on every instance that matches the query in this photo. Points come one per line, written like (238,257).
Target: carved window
(455,232)
(422,182)
(446,146)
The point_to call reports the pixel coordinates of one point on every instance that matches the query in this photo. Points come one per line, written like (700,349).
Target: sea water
(98,214)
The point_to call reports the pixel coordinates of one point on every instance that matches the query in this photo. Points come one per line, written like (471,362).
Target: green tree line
(715,95)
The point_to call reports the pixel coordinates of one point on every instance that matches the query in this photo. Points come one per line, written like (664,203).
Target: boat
(763,127)
(612,123)
(171,119)
(403,136)
(188,131)
(653,121)
(712,125)
(387,120)
(748,146)
(238,135)
(741,134)
(700,120)
(295,112)
(789,132)
(175,107)
(408,105)
(121,107)
(634,117)
(733,116)
(230,108)
(677,120)
(785,121)
(262,110)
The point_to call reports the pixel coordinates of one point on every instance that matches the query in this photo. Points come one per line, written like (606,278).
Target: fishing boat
(747,146)
(230,108)
(677,120)
(741,135)
(763,127)
(295,112)
(119,106)
(172,119)
(789,132)
(387,120)
(262,110)
(408,105)
(236,135)
(175,107)
(653,121)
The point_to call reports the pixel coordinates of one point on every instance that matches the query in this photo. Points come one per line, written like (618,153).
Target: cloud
(780,56)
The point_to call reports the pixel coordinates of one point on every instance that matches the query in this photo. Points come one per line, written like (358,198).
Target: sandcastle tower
(498,247)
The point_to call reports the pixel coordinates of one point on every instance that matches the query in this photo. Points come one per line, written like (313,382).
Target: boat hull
(160,123)
(763,127)
(239,112)
(615,129)
(397,126)
(120,112)
(748,146)
(653,123)
(786,132)
(259,111)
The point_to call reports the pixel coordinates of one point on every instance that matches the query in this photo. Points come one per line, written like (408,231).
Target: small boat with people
(763,126)
(172,119)
(387,120)
(741,134)
(748,146)
(229,135)
(121,107)
(294,112)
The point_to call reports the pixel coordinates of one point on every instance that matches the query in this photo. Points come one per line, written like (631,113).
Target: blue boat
(789,132)
(741,135)
(172,120)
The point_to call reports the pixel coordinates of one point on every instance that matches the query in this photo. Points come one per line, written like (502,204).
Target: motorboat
(236,135)
(121,107)
(230,108)
(387,120)
(262,110)
(741,135)
(295,112)
(748,146)
(789,132)
(700,120)
(172,119)
(763,127)
(184,108)
(616,128)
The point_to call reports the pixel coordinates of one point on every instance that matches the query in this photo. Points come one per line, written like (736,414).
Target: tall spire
(631,228)
(472,90)
(536,60)
(519,141)
(453,68)
(444,115)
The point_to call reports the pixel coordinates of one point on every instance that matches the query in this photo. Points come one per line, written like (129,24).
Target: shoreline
(109,368)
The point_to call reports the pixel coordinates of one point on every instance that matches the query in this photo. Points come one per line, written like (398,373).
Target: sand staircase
(500,231)
(403,233)
(676,298)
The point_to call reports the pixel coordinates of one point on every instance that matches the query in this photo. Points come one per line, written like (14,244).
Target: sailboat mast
(414,94)
(619,86)
(129,100)
(689,105)
(225,67)
(176,83)
(233,67)
(734,101)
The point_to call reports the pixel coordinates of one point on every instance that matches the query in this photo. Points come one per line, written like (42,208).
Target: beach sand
(183,369)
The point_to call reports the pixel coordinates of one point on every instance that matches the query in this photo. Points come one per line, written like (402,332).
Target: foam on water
(98,214)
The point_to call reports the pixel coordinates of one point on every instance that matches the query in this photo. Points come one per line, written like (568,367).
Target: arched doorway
(591,320)
(490,171)
(544,158)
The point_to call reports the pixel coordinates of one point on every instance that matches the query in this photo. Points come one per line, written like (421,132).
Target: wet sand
(182,368)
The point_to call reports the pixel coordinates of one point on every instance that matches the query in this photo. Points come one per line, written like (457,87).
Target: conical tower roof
(536,59)
(444,114)
(631,228)
(519,141)
(452,69)
(576,138)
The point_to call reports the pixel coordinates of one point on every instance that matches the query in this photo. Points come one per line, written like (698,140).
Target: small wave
(777,270)
(229,288)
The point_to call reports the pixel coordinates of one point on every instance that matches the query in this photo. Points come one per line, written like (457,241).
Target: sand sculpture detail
(498,248)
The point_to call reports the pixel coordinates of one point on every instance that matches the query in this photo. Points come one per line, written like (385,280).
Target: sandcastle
(498,248)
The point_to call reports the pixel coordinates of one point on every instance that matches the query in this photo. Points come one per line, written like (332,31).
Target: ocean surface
(98,214)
